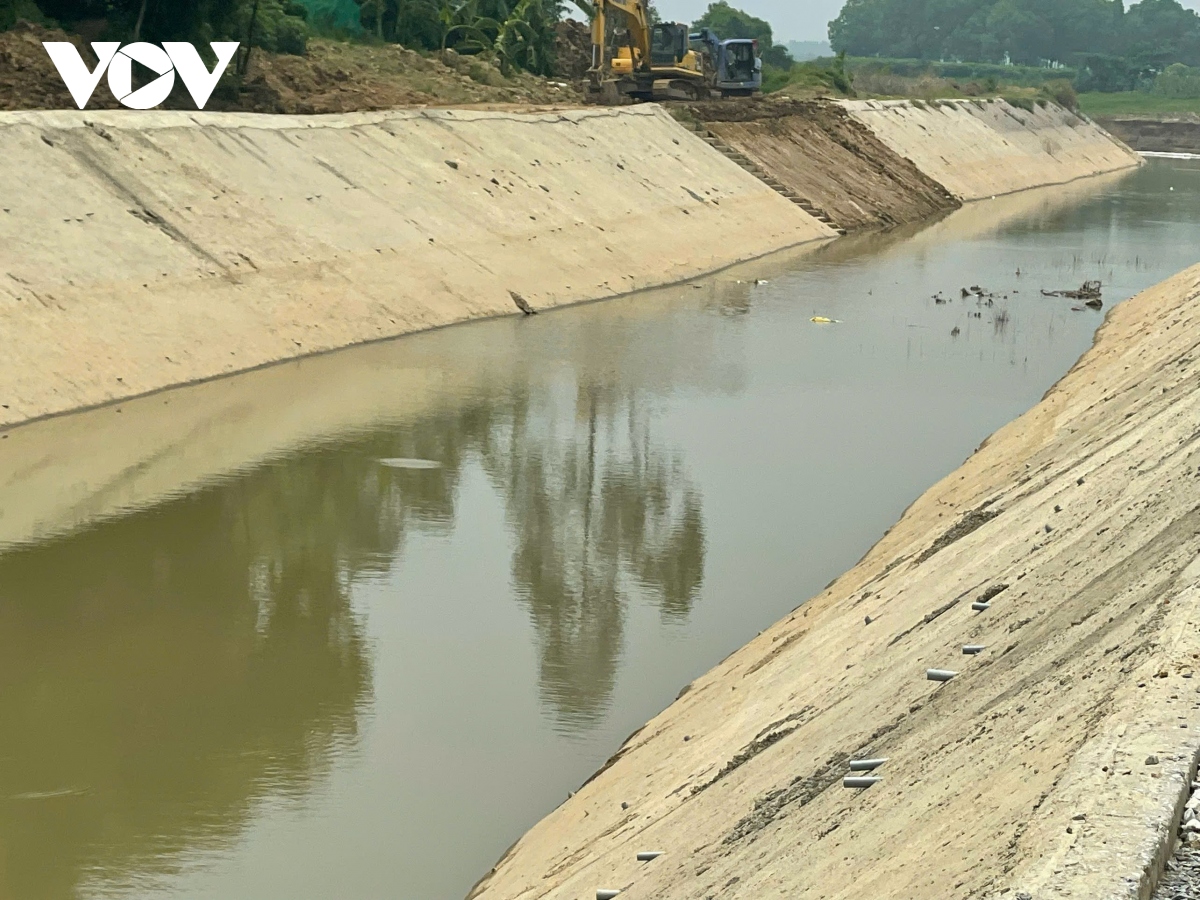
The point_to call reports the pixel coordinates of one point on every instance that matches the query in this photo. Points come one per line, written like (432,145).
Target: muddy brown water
(250,648)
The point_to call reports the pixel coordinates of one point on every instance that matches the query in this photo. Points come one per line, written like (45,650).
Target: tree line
(1113,46)
(520,32)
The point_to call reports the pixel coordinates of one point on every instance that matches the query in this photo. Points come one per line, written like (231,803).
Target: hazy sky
(792,20)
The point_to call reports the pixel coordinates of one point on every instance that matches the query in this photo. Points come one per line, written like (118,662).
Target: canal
(346,627)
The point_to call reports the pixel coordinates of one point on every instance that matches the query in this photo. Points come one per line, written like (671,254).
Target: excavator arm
(638,26)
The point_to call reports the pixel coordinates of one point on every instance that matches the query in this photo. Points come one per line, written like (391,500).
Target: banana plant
(464,19)
(526,39)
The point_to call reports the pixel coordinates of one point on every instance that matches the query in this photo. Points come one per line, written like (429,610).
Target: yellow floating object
(821,320)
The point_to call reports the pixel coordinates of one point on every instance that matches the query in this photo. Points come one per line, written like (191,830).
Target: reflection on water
(165,672)
(252,646)
(595,511)
(160,675)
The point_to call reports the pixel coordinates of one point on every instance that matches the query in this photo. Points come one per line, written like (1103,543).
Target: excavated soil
(572,50)
(1177,134)
(820,152)
(334,77)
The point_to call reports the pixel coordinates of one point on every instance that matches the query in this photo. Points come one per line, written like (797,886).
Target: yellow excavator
(636,60)
(632,58)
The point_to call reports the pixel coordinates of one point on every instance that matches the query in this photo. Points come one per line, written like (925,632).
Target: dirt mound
(333,77)
(755,108)
(28,79)
(338,77)
(573,50)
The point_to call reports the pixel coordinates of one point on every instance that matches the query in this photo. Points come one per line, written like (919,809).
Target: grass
(1135,103)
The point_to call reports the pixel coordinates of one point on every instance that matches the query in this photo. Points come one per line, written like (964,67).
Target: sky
(791,20)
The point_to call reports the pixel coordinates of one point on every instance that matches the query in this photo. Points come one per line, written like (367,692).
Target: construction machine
(735,64)
(634,59)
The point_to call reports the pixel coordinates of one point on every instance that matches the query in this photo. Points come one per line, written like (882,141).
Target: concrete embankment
(140,251)
(1174,134)
(1050,766)
(978,149)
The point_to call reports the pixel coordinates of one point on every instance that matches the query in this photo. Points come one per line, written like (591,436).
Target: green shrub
(1178,81)
(14,11)
(275,29)
(1061,92)
(291,36)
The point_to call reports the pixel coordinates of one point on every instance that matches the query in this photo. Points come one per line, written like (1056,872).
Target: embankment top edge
(163,119)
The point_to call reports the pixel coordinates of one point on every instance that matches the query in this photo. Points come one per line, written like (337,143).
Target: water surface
(347,627)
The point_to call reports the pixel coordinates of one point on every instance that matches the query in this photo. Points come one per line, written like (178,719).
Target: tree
(279,25)
(729,22)
(1149,34)
(778,56)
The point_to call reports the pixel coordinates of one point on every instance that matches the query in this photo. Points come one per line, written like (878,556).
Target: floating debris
(939,674)
(955,332)
(647,855)
(402,463)
(762,281)
(1089,291)
(866,765)
(860,781)
(822,320)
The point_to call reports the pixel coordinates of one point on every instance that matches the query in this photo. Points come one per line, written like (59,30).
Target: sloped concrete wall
(979,149)
(144,250)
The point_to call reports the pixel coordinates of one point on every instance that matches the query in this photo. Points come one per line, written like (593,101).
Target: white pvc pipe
(866,765)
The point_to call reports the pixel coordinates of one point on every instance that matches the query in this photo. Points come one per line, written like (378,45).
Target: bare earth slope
(141,251)
(1049,766)
(826,156)
(1164,134)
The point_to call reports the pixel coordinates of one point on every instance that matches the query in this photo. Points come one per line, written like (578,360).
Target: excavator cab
(735,66)
(668,44)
